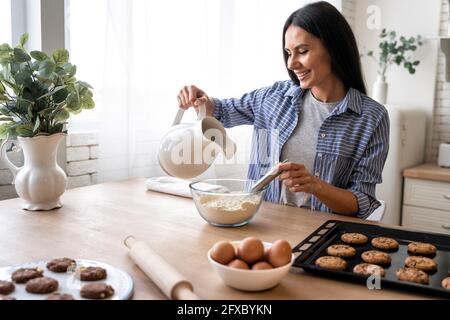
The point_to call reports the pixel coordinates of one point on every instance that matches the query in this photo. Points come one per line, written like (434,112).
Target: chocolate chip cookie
(446,283)
(422,248)
(376,257)
(60,296)
(41,285)
(92,273)
(23,275)
(61,264)
(96,291)
(333,263)
(412,275)
(421,263)
(384,243)
(354,238)
(341,250)
(6,287)
(368,269)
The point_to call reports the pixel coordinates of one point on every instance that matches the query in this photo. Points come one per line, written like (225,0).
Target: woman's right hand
(191,96)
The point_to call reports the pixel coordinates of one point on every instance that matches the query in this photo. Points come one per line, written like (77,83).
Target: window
(5,21)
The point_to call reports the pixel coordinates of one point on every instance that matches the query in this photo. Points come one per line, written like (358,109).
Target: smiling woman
(321,119)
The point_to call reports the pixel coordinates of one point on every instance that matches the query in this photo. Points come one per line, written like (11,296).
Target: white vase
(380,90)
(40,181)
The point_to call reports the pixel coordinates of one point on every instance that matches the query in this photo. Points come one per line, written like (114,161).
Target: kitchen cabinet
(426,198)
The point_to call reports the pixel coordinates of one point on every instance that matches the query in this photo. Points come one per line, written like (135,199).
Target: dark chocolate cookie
(92,274)
(96,291)
(22,275)
(60,296)
(60,264)
(6,287)
(41,285)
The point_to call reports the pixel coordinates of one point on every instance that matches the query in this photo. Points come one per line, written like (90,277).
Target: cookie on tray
(60,296)
(421,263)
(422,248)
(333,263)
(368,269)
(446,283)
(96,291)
(384,243)
(92,273)
(41,285)
(61,264)
(376,257)
(6,287)
(341,250)
(23,275)
(412,275)
(354,238)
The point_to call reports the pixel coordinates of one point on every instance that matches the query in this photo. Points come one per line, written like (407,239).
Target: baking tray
(315,245)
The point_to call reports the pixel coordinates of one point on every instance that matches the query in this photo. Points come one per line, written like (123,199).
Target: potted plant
(393,50)
(38,93)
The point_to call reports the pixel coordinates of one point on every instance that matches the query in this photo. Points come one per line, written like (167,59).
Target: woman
(336,137)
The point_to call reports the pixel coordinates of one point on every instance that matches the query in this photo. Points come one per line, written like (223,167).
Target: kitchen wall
(406,17)
(441,128)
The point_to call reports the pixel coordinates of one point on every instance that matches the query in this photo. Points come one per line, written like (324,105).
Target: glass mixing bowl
(226,202)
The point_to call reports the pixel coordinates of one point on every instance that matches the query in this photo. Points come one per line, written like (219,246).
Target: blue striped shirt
(352,143)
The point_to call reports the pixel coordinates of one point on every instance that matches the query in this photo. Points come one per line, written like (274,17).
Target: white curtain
(138,54)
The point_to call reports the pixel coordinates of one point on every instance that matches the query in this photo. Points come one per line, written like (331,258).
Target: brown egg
(222,252)
(266,254)
(262,265)
(238,264)
(251,250)
(280,253)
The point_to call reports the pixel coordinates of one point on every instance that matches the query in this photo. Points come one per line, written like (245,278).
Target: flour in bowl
(228,209)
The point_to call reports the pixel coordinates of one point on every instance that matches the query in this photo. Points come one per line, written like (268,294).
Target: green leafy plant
(38,92)
(394,50)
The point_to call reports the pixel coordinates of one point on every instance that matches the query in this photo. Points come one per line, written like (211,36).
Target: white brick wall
(441,127)
(82,154)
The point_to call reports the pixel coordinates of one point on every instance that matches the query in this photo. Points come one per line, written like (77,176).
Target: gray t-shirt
(301,146)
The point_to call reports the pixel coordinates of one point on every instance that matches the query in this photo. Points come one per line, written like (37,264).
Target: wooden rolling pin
(169,280)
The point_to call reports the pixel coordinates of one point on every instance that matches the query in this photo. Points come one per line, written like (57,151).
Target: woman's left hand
(297,178)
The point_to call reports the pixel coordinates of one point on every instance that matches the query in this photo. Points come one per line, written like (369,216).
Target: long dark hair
(325,22)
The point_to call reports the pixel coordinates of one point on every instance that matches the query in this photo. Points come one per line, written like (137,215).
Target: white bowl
(250,280)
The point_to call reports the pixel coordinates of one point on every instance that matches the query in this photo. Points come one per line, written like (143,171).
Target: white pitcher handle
(200,116)
(178,117)
(201,112)
(4,156)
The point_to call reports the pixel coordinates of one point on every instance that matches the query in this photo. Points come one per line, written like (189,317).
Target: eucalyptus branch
(40,95)
(393,51)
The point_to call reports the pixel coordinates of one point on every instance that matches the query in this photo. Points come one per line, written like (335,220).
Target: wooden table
(94,221)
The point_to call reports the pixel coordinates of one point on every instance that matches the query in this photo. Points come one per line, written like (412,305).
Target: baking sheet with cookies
(69,282)
(314,248)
